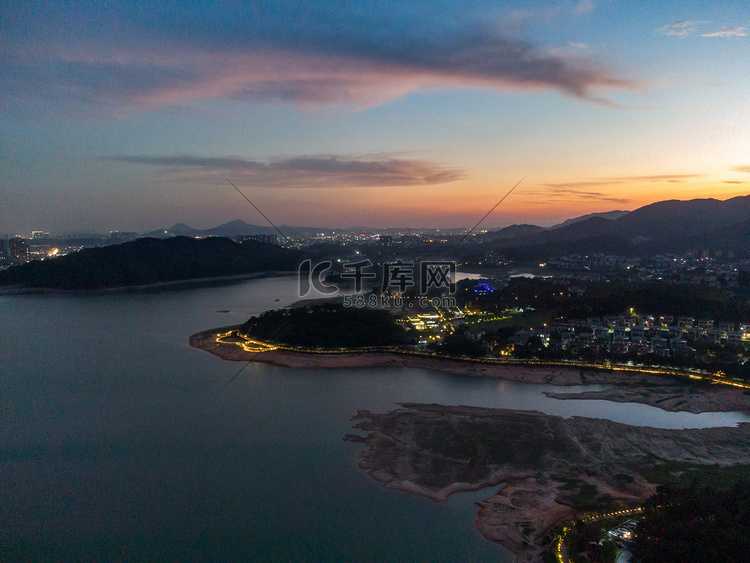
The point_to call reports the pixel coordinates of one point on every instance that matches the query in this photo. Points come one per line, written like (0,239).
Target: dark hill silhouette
(182,229)
(666,226)
(588,228)
(524,229)
(611,215)
(514,231)
(238,227)
(594,227)
(231,229)
(684,218)
(151,260)
(735,237)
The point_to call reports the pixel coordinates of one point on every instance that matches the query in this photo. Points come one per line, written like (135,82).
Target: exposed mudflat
(671,398)
(656,390)
(552,468)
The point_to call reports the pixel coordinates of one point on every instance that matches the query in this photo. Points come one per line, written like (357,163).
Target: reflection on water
(118,439)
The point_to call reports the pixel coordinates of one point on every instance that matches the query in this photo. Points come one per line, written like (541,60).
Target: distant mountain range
(231,229)
(663,227)
(655,222)
(611,215)
(238,227)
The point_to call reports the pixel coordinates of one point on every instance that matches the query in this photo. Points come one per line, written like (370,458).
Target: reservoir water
(118,441)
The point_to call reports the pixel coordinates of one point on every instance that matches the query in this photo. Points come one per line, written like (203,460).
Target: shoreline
(580,464)
(562,376)
(661,391)
(672,398)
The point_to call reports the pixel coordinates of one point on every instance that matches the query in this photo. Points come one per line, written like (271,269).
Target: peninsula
(147,261)
(332,336)
(552,469)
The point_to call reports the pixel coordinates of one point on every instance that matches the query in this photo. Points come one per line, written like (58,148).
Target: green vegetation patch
(150,260)
(695,524)
(684,474)
(327,326)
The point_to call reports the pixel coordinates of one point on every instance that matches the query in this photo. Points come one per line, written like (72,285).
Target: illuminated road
(256,346)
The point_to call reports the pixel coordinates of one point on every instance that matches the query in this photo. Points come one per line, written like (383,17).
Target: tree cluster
(151,260)
(697,524)
(329,325)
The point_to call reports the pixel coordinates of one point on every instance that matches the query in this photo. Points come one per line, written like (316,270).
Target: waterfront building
(19,250)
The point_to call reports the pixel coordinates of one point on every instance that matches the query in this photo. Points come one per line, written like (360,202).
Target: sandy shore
(206,340)
(655,390)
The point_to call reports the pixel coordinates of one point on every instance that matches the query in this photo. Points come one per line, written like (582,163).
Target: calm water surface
(120,442)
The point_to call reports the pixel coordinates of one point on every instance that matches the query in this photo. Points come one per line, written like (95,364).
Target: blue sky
(124,116)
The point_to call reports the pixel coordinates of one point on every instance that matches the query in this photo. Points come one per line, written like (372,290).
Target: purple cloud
(686,27)
(731,32)
(321,171)
(357,54)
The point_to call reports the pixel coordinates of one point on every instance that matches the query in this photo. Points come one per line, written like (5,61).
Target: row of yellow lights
(487,319)
(249,345)
(257,346)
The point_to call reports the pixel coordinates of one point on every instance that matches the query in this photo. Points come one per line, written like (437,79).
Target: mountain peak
(181,228)
(609,215)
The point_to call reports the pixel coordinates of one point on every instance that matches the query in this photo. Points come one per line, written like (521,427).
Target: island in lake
(147,261)
(551,469)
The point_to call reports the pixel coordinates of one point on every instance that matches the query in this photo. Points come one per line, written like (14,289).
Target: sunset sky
(122,116)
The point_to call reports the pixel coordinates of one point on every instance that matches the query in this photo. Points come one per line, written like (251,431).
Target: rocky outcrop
(552,468)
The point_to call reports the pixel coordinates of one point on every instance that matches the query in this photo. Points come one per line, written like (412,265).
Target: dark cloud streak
(316,53)
(572,191)
(585,189)
(308,171)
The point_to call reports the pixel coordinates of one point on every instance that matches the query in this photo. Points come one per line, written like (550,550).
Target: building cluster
(717,270)
(714,271)
(391,238)
(430,326)
(664,336)
(15,250)
(266,239)
(623,533)
(118,237)
(594,262)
